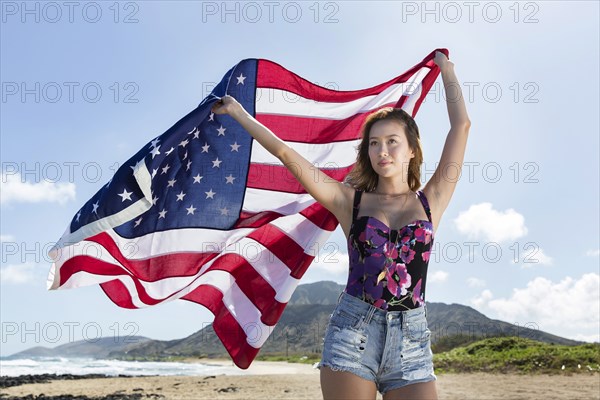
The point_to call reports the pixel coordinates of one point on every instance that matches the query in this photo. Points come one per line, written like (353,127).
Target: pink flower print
(417,297)
(425,255)
(428,237)
(363,236)
(381,303)
(398,287)
(406,253)
(390,251)
(420,234)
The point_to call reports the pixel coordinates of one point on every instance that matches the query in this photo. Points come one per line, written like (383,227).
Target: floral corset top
(389,272)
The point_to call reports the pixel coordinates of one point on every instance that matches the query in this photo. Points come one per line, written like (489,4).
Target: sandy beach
(282,380)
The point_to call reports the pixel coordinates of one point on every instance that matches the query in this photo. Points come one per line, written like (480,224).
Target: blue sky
(84,88)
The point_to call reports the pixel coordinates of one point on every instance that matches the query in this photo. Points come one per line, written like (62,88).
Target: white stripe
(321,155)
(302,230)
(271,268)
(411,102)
(281,102)
(258,200)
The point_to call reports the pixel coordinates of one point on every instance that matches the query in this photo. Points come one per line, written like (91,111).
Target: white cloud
(587,338)
(593,253)
(14,189)
(7,238)
(535,256)
(475,282)
(570,305)
(482,299)
(438,276)
(18,273)
(482,221)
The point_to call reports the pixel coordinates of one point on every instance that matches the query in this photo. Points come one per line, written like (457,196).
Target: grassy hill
(516,354)
(500,355)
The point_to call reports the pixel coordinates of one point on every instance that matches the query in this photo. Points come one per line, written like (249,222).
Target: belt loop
(370,313)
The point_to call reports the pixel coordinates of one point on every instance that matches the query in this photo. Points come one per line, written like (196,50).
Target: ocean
(84,366)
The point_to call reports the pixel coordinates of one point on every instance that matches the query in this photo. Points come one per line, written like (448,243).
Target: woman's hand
(227,105)
(441,60)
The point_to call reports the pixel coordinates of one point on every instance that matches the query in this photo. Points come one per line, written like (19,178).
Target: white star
(212,116)
(191,210)
(205,147)
(224,211)
(221,131)
(165,169)
(95,205)
(138,222)
(78,215)
(170,151)
(235,146)
(197,135)
(154,200)
(180,196)
(155,152)
(230,179)
(197,178)
(172,183)
(185,155)
(187,167)
(162,213)
(154,171)
(210,194)
(184,143)
(217,163)
(240,79)
(154,142)
(125,195)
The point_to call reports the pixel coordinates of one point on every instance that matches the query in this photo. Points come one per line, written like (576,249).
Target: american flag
(204,213)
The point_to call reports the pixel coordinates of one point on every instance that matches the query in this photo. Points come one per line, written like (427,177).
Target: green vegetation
(520,355)
(462,353)
(302,358)
(449,342)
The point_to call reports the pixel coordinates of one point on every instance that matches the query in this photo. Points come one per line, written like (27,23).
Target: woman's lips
(384,163)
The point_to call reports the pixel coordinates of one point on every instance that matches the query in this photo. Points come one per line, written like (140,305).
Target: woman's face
(389,151)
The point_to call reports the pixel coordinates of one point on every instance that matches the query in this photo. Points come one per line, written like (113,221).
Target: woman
(377,338)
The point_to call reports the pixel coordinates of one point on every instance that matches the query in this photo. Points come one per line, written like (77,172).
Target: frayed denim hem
(355,371)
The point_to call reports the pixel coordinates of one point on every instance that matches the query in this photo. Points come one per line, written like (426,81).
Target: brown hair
(362,176)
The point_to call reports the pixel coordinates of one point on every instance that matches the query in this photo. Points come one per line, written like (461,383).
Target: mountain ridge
(300,330)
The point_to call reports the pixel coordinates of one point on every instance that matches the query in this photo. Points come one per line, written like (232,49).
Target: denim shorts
(390,348)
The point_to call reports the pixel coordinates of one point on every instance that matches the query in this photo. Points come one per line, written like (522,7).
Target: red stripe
(274,76)
(297,129)
(278,178)
(228,330)
(118,293)
(255,220)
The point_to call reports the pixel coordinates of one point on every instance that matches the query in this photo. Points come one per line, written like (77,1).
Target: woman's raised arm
(440,187)
(329,192)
